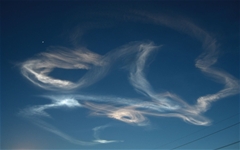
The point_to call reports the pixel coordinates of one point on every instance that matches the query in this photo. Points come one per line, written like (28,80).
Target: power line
(198,130)
(227,145)
(206,135)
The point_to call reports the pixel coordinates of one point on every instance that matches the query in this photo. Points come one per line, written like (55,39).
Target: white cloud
(131,111)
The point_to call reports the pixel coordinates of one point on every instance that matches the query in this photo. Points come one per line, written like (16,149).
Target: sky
(120,74)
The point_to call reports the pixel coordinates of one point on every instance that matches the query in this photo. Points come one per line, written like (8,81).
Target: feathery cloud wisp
(128,110)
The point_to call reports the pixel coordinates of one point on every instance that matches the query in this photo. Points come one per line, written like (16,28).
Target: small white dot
(42,41)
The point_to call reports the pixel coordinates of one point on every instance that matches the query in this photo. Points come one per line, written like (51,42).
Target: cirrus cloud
(129,110)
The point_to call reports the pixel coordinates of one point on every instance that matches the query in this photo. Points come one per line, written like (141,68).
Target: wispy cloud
(96,135)
(56,131)
(37,69)
(128,110)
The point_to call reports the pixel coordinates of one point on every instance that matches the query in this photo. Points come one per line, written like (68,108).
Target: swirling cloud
(128,110)
(37,69)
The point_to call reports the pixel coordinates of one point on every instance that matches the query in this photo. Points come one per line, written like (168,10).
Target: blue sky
(119,75)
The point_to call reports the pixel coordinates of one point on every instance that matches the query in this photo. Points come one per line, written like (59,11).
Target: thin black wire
(206,135)
(197,131)
(227,145)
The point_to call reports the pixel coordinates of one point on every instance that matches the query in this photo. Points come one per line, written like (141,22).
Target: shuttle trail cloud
(128,110)
(36,70)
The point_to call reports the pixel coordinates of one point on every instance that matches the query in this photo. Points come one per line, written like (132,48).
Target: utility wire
(198,130)
(227,145)
(206,135)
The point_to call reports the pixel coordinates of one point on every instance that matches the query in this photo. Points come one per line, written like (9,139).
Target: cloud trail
(37,69)
(205,61)
(97,135)
(54,130)
(128,110)
(34,113)
(56,103)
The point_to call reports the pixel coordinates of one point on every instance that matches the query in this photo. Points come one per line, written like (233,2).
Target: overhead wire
(227,145)
(198,130)
(206,135)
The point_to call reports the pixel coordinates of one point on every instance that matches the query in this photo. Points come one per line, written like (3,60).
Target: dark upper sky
(119,75)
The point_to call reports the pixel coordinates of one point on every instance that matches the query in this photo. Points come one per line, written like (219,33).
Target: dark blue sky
(119,75)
